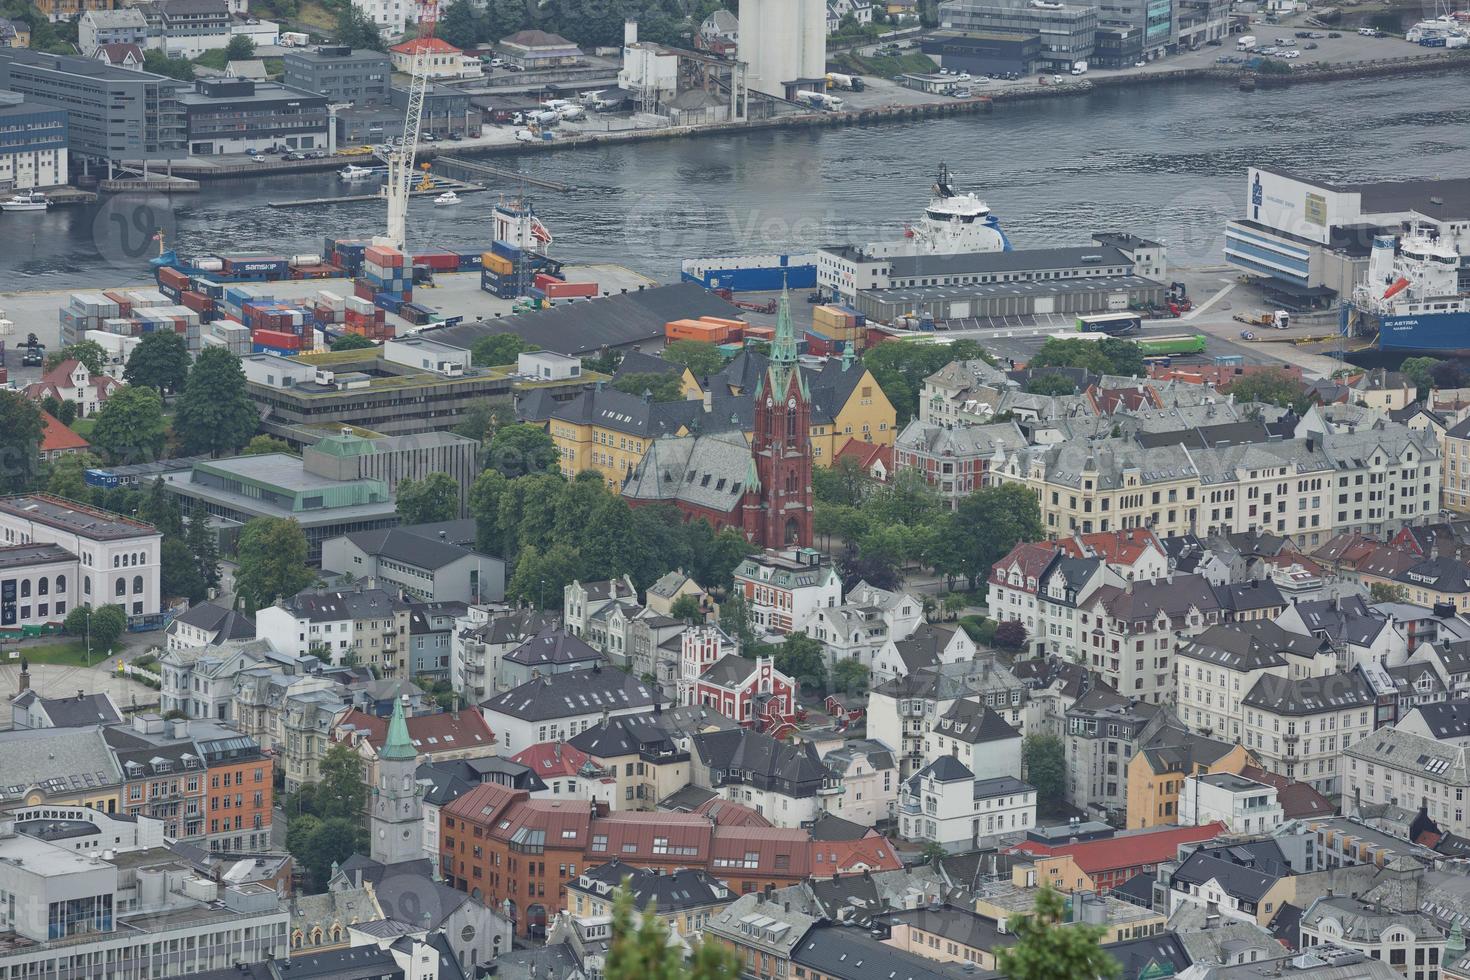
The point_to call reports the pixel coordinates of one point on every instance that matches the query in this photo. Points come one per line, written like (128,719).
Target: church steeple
(783,348)
(398,745)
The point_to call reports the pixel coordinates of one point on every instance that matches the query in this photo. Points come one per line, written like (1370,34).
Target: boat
(353,173)
(34,201)
(953,223)
(1411,296)
(448,197)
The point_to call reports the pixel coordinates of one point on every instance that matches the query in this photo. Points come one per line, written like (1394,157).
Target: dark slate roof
(840,953)
(1249,646)
(1184,551)
(584,328)
(79,711)
(1447,719)
(687,800)
(1342,619)
(1139,890)
(1146,955)
(623,735)
(744,756)
(325,605)
(213,617)
(402,545)
(515,626)
(1442,574)
(353,963)
(830,827)
(670,891)
(613,409)
(576,692)
(1309,695)
(554,647)
(729,670)
(1147,600)
(1250,596)
(444,782)
(970,721)
(1286,926)
(946,769)
(1243,880)
(830,385)
(923,647)
(637,362)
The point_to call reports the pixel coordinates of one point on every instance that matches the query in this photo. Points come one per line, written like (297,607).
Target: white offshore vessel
(953,223)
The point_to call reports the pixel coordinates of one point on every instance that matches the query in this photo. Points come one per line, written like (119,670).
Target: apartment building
(1103,729)
(1131,633)
(1410,765)
(953,459)
(902,711)
(784,588)
(1299,727)
(352,626)
(1220,667)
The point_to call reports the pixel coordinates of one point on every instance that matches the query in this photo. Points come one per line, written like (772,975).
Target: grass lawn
(67,653)
(84,427)
(884,66)
(215,59)
(316,16)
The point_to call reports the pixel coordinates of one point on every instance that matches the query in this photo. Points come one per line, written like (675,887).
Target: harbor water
(1167,162)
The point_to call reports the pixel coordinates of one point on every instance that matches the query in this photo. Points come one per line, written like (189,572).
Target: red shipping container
(197,302)
(170,276)
(125,308)
(362,289)
(384,256)
(438,261)
(275,338)
(542,278)
(556,289)
(753,332)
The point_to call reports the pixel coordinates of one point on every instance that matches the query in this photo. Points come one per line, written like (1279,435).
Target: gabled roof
(551,760)
(226,624)
(1250,646)
(403,545)
(56,438)
(744,756)
(446,731)
(1146,601)
(554,647)
(973,722)
(609,408)
(1310,695)
(79,711)
(730,670)
(1298,800)
(576,692)
(1126,850)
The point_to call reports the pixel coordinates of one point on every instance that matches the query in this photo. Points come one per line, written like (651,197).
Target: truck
(1279,319)
(819,100)
(1246,42)
(851,83)
(35,352)
(294,39)
(1079,68)
(1171,346)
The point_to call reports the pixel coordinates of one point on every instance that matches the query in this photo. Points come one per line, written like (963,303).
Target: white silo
(782,41)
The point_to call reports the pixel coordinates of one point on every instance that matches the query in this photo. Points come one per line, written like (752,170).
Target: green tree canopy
(540,578)
(215,415)
(1050,384)
(352,341)
(203,544)
(1272,386)
(330,843)
(1045,760)
(130,428)
(434,498)
(263,445)
(358,30)
(1048,947)
(92,355)
(686,607)
(805,659)
(106,623)
(271,561)
(1108,356)
(67,477)
(342,792)
(700,358)
(521,448)
(239,48)
(641,949)
(987,524)
(158,63)
(179,572)
(160,361)
(659,387)
(850,677)
(500,348)
(900,367)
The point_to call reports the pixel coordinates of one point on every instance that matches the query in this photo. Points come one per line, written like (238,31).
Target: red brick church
(763,486)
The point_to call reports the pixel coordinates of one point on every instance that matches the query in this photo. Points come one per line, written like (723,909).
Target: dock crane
(400,158)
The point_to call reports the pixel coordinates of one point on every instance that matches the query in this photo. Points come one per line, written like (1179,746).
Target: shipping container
(571,290)
(710,333)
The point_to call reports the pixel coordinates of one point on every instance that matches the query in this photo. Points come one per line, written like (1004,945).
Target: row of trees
(1108,356)
(590,23)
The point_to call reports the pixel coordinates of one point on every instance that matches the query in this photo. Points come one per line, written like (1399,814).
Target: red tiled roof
(1125,850)
(552,759)
(1032,559)
(1297,799)
(433,45)
(447,731)
(727,814)
(867,453)
(873,852)
(1125,547)
(56,437)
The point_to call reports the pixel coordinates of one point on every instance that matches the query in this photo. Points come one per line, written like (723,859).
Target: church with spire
(762,486)
(395,812)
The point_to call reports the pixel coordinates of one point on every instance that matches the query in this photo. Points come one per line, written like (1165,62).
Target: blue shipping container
(100,478)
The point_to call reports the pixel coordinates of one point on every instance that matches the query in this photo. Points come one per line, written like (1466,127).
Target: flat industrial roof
(67,515)
(23,555)
(1392,196)
(990,290)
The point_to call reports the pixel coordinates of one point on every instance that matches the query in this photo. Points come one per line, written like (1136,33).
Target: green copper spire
(1454,946)
(398,744)
(783,348)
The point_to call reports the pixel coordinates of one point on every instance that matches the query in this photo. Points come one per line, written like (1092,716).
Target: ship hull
(1438,333)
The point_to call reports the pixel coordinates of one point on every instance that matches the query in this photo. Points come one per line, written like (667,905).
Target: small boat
(448,197)
(34,201)
(353,173)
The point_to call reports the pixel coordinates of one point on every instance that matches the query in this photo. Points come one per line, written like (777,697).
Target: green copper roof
(346,444)
(398,744)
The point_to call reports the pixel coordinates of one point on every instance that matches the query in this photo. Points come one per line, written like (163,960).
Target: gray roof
(60,760)
(743,756)
(1245,872)
(28,555)
(66,515)
(1146,601)
(576,692)
(670,891)
(226,623)
(327,605)
(1250,646)
(77,711)
(946,769)
(1310,695)
(403,545)
(1447,719)
(121,17)
(610,408)
(554,647)
(711,471)
(840,953)
(972,722)
(729,670)
(1016,260)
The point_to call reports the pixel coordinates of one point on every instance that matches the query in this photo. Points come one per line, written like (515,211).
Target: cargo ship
(952,223)
(1413,298)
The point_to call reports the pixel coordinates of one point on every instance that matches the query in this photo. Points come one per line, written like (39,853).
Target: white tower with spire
(395,817)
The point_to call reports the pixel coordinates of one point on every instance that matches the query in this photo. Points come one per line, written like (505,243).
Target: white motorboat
(352,173)
(448,197)
(34,201)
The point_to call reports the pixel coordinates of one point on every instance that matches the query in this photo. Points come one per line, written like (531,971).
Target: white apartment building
(784,588)
(1299,728)
(1243,805)
(1220,667)
(370,625)
(1130,633)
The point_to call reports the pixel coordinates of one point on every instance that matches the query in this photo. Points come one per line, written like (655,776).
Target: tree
(204,546)
(606,361)
(100,625)
(521,448)
(850,677)
(341,792)
(240,48)
(460,25)
(1273,387)
(271,561)
(1048,947)
(68,477)
(1050,384)
(301,822)
(1447,374)
(541,578)
(611,546)
(264,445)
(179,572)
(716,561)
(844,482)
(485,496)
(1388,592)
(987,524)
(158,508)
(20,439)
(332,842)
(500,348)
(900,369)
(352,341)
(483,418)
(434,498)
(658,387)
(1044,758)
(873,564)
(687,608)
(700,358)
(1107,356)
(215,414)
(92,355)
(158,63)
(736,619)
(641,950)
(67,413)
(160,361)
(803,658)
(357,30)
(1011,635)
(932,851)
(1420,371)
(130,428)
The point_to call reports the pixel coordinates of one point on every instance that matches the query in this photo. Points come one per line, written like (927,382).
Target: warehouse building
(236,115)
(984,52)
(1021,298)
(1310,239)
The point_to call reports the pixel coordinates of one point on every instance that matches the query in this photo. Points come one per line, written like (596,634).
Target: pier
(440,182)
(487,170)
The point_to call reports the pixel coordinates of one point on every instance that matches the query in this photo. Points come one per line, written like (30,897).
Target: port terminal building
(1115,272)
(1310,239)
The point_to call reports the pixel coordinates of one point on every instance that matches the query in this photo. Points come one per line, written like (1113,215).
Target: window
(122,587)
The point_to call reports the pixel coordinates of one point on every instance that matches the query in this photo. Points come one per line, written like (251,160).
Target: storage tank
(782,40)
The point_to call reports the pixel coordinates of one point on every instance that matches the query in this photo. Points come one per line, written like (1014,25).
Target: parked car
(1214,42)
(455,136)
(1139,64)
(1333,34)
(317,155)
(294,156)
(427,137)
(1310,46)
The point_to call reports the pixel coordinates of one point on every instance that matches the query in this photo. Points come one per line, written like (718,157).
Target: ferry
(952,223)
(1412,296)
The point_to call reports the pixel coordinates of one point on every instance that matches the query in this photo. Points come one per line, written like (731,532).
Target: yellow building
(684,899)
(1156,774)
(609,430)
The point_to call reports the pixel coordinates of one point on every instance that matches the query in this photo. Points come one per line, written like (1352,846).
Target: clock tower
(778,497)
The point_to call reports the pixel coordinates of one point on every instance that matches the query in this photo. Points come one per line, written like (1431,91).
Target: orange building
(502,847)
(239,795)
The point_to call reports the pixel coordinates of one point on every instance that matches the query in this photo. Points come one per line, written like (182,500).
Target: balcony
(1290,738)
(910,807)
